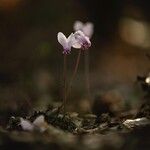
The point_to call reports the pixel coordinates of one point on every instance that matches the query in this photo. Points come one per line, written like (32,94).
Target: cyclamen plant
(76,40)
(87,29)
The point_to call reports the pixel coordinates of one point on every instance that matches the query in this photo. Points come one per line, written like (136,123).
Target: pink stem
(74,73)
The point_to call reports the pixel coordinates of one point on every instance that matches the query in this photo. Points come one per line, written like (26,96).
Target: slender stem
(87,72)
(64,84)
(74,73)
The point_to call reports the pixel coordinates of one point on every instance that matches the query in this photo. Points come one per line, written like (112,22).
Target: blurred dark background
(31,58)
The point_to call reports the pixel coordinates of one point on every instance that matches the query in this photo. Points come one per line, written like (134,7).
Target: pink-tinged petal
(79,33)
(26,125)
(88,29)
(40,124)
(82,40)
(71,40)
(62,39)
(70,37)
(77,45)
(39,120)
(78,25)
(88,40)
(64,42)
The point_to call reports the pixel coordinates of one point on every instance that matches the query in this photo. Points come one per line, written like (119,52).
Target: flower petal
(76,45)
(88,29)
(73,42)
(40,124)
(79,32)
(82,39)
(70,39)
(78,25)
(26,125)
(39,120)
(62,39)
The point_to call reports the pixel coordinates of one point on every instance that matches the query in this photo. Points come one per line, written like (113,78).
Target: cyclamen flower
(77,40)
(82,41)
(38,124)
(66,42)
(87,28)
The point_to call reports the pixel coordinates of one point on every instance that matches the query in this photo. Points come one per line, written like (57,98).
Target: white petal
(26,125)
(79,36)
(62,39)
(75,42)
(79,33)
(82,40)
(87,39)
(40,124)
(88,29)
(70,38)
(76,45)
(78,25)
(39,120)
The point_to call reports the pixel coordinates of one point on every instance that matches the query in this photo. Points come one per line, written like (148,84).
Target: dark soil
(74,131)
(104,129)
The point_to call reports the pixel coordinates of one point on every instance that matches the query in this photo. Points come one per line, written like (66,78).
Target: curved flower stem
(87,72)
(65,83)
(74,73)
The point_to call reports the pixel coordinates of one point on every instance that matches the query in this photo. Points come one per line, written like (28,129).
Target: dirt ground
(127,130)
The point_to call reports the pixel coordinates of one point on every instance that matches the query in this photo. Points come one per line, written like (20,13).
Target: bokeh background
(31,58)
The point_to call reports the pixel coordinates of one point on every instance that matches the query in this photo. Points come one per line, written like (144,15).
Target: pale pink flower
(38,124)
(86,28)
(82,41)
(66,42)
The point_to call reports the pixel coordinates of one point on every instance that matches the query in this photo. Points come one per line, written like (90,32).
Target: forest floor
(127,131)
